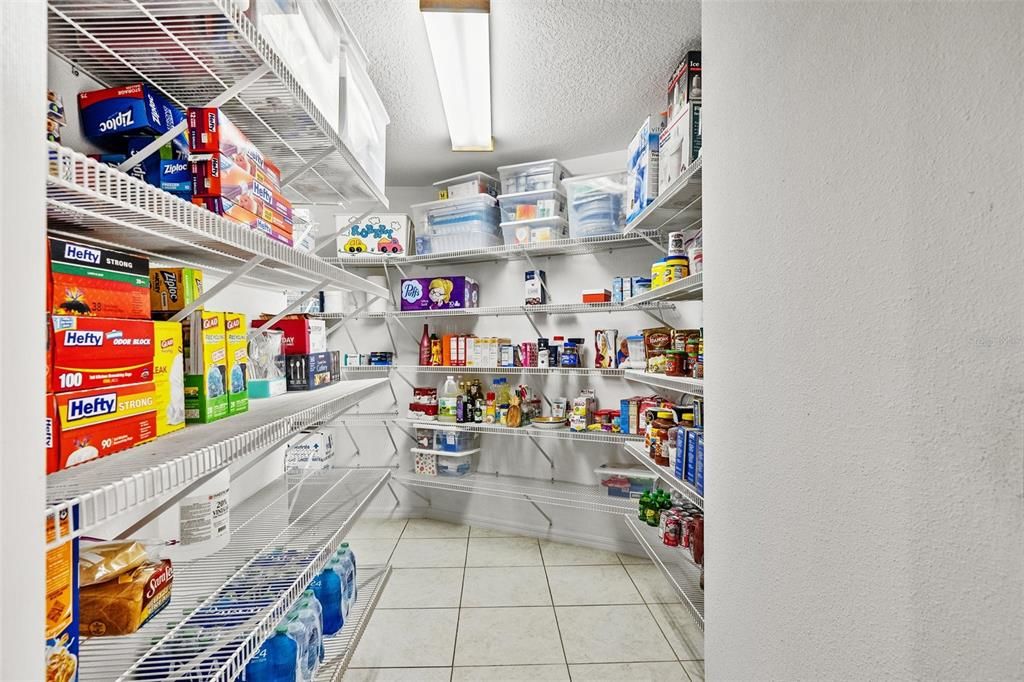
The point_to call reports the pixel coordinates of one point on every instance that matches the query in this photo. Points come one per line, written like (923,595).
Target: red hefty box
(221,177)
(211,132)
(240,214)
(302,336)
(93,352)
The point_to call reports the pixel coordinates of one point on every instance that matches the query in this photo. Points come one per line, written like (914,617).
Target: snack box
(596,296)
(206,396)
(99,422)
(301,334)
(97,352)
(238,359)
(220,176)
(241,213)
(312,370)
(211,132)
(386,233)
(62,596)
(136,109)
(96,282)
(433,293)
(171,289)
(169,377)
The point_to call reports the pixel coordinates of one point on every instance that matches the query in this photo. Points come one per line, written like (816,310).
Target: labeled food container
(467,185)
(543,203)
(457,224)
(625,481)
(527,177)
(596,204)
(531,231)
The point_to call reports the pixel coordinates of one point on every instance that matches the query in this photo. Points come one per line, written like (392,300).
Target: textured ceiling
(569,78)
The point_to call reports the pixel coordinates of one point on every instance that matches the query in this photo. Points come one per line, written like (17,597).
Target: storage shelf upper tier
(677,207)
(544,309)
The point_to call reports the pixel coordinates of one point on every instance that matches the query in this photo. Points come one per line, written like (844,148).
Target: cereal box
(206,395)
(97,282)
(169,377)
(101,421)
(93,352)
(171,289)
(62,601)
(238,360)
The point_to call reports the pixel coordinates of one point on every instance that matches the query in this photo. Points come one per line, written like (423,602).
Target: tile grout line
(462,589)
(554,611)
(648,607)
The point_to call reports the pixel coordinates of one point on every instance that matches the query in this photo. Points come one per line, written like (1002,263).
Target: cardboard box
(536,292)
(206,372)
(176,178)
(101,421)
(169,377)
(309,450)
(243,183)
(597,296)
(171,289)
(386,233)
(236,331)
(96,282)
(136,109)
(211,132)
(95,352)
(242,214)
(301,334)
(62,596)
(685,85)
(642,167)
(679,145)
(313,370)
(433,293)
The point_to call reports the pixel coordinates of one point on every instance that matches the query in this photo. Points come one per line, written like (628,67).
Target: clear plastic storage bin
(596,204)
(626,480)
(541,203)
(532,231)
(467,185)
(457,224)
(455,441)
(454,465)
(527,177)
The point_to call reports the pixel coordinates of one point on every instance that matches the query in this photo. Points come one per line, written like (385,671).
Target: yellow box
(169,377)
(237,344)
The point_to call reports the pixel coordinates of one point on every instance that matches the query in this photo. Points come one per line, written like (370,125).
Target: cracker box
(433,293)
(211,132)
(302,335)
(94,352)
(386,233)
(171,289)
(237,346)
(243,213)
(62,597)
(314,370)
(220,176)
(96,282)
(169,377)
(136,109)
(101,421)
(206,371)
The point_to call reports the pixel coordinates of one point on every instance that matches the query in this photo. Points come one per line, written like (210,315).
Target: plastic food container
(542,203)
(531,231)
(596,204)
(527,177)
(456,224)
(637,354)
(625,481)
(454,465)
(467,186)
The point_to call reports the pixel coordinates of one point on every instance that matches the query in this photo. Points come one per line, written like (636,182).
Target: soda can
(673,529)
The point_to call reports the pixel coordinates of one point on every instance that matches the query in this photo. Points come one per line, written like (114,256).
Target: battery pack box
(169,377)
(62,592)
(211,132)
(302,335)
(101,421)
(94,352)
(236,332)
(206,395)
(220,176)
(244,213)
(92,281)
(171,289)
(313,370)
(136,109)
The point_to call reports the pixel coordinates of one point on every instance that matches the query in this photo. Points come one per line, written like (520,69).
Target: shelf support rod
(678,213)
(348,432)
(539,510)
(406,432)
(543,452)
(341,323)
(647,238)
(656,317)
(529,318)
(235,274)
(403,378)
(411,335)
(398,503)
(415,492)
(288,308)
(294,175)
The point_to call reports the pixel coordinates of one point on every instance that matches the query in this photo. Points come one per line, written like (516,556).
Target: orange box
(597,296)
(85,425)
(241,214)
(96,282)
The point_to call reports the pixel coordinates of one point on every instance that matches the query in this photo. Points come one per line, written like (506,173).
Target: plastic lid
(644,279)
(345,545)
(468,176)
(526,165)
(490,395)
(446,203)
(281,629)
(549,220)
(531,193)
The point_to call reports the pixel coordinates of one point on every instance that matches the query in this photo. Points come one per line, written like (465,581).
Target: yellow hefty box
(238,362)
(206,395)
(169,377)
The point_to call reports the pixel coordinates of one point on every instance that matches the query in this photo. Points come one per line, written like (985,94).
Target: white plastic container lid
(475,175)
(552,221)
(527,165)
(615,176)
(625,470)
(524,197)
(485,201)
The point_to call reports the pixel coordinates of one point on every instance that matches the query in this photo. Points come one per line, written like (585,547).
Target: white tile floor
(466,604)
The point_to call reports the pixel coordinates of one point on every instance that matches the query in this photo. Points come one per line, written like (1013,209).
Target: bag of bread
(99,562)
(124,604)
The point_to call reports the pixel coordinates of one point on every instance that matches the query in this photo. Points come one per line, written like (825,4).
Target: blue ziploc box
(617,290)
(680,466)
(136,109)
(699,482)
(176,178)
(691,456)
(149,169)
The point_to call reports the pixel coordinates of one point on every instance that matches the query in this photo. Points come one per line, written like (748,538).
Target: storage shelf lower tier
(680,384)
(527,431)
(338,650)
(554,493)
(106,488)
(686,289)
(224,605)
(675,564)
(636,450)
(545,309)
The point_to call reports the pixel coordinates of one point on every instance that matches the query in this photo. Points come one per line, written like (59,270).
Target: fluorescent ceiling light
(460,43)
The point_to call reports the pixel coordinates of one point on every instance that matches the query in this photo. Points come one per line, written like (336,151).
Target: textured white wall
(865,340)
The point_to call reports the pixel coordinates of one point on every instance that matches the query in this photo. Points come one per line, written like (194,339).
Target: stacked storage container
(596,204)
(456,224)
(533,205)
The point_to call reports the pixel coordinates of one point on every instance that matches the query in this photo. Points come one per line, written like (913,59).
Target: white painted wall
(865,338)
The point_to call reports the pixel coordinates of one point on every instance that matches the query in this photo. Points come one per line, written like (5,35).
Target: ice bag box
(97,282)
(95,352)
(434,293)
(169,377)
(171,289)
(62,592)
(241,213)
(136,109)
(206,395)
(301,335)
(236,332)
(211,132)
(313,370)
(387,233)
(99,422)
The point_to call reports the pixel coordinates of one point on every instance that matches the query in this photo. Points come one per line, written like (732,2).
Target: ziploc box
(101,421)
(211,132)
(136,109)
(206,395)
(176,178)
(302,335)
(94,352)
(171,289)
(241,213)
(699,470)
(433,293)
(96,282)
(62,592)
(237,346)
(169,377)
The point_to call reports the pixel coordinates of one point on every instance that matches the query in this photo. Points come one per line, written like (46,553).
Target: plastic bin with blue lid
(540,203)
(534,175)
(535,231)
(457,224)
(596,204)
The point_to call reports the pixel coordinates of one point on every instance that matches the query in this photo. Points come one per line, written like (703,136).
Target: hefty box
(241,213)
(237,346)
(301,334)
(101,421)
(171,289)
(314,370)
(97,282)
(206,395)
(211,132)
(136,109)
(219,177)
(62,596)
(433,293)
(169,377)
(94,352)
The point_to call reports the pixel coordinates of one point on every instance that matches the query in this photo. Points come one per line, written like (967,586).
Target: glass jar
(675,361)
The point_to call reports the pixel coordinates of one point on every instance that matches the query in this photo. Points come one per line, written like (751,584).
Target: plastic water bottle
(338,567)
(327,587)
(309,599)
(298,631)
(259,668)
(348,563)
(284,655)
(315,641)
(447,400)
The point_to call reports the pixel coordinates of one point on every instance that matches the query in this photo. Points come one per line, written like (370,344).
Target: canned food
(676,243)
(658,270)
(675,362)
(672,524)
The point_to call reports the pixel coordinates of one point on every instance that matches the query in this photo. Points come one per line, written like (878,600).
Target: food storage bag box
(313,370)
(435,293)
(386,234)
(93,352)
(62,597)
(136,109)
(625,480)
(171,289)
(531,176)
(176,178)
(221,176)
(237,346)
(243,214)
(206,367)
(309,450)
(642,167)
(302,335)
(211,132)
(679,145)
(466,186)
(169,377)
(596,204)
(97,282)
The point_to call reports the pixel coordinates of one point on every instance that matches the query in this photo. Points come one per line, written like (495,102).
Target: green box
(237,347)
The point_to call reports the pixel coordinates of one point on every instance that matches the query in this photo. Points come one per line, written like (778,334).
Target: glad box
(102,421)
(433,293)
(169,377)
(206,396)
(211,132)
(302,336)
(94,352)
(237,345)
(88,280)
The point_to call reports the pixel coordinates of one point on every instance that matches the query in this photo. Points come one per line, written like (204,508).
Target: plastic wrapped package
(596,204)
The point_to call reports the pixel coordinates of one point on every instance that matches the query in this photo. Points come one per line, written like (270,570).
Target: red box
(241,214)
(597,296)
(94,352)
(302,336)
(211,132)
(220,176)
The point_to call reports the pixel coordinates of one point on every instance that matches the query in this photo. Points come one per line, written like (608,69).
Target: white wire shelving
(127,481)
(509,371)
(686,289)
(678,206)
(199,52)
(338,649)
(638,453)
(675,563)
(87,200)
(686,385)
(224,605)
(544,309)
(555,493)
(526,431)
